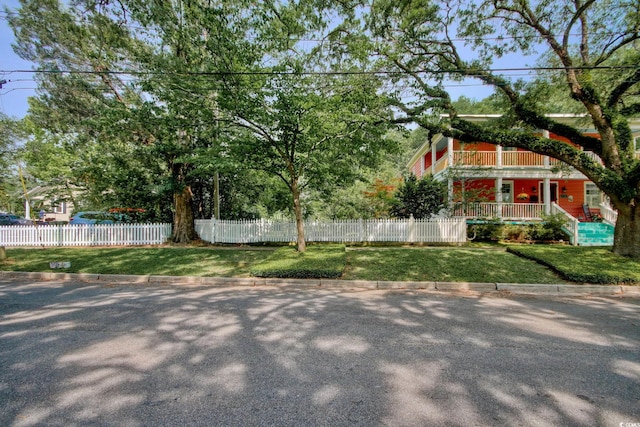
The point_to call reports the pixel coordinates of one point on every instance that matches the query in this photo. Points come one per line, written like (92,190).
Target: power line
(469,73)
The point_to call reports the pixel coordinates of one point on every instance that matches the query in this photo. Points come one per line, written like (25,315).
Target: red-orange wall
(575,189)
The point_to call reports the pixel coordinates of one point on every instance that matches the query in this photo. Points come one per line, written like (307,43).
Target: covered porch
(524,198)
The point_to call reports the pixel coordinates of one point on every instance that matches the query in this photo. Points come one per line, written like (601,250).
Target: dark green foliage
(517,232)
(549,229)
(318,261)
(485,231)
(422,198)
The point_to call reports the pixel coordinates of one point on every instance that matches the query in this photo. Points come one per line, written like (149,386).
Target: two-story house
(491,181)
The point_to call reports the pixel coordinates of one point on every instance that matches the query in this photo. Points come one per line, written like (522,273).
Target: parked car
(93,218)
(11,219)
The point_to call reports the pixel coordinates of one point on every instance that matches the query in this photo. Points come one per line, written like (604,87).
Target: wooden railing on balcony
(508,159)
(522,158)
(474,158)
(441,164)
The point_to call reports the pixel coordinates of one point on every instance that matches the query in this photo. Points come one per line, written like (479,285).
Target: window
(60,208)
(592,195)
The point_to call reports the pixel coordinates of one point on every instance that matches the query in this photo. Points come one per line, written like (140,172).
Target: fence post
(412,229)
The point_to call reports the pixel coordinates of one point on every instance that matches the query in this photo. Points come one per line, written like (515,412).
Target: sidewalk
(514,288)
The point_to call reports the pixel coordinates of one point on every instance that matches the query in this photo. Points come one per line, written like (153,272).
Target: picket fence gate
(84,234)
(441,230)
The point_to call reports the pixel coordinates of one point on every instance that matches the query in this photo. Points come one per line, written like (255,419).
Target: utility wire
(469,73)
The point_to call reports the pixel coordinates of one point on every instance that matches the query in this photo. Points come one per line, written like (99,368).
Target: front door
(507,191)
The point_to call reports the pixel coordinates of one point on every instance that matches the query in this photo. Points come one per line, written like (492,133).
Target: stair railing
(572,222)
(608,215)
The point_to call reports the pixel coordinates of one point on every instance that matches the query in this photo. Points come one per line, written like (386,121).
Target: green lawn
(445,264)
(169,261)
(469,264)
(583,264)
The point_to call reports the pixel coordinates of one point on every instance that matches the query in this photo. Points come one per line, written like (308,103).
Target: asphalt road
(146,355)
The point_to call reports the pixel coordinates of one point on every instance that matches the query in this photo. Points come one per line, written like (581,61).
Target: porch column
(450,151)
(27,209)
(499,195)
(546,184)
(499,158)
(434,155)
(545,134)
(450,193)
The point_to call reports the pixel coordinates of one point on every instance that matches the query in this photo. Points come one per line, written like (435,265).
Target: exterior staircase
(595,234)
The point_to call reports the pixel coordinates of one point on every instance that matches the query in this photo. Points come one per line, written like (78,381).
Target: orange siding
(573,199)
(480,189)
(415,168)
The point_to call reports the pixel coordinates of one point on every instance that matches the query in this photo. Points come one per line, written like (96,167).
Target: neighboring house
(42,201)
(491,181)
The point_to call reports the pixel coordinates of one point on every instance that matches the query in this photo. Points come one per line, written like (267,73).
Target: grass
(319,261)
(553,263)
(169,261)
(446,265)
(583,264)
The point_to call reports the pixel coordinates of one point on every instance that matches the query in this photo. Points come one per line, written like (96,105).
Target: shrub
(517,232)
(549,229)
(319,261)
(486,230)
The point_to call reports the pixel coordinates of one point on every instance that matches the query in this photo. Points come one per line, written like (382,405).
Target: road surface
(146,355)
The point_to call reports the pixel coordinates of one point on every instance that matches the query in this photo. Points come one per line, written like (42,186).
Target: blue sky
(19,86)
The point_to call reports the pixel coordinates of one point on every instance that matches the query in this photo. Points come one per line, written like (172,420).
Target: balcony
(505,159)
(498,160)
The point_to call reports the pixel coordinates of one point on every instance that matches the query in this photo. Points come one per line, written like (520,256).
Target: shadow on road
(80,354)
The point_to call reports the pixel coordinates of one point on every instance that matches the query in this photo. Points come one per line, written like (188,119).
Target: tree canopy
(589,50)
(304,90)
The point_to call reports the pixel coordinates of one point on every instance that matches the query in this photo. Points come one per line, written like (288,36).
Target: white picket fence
(84,235)
(444,230)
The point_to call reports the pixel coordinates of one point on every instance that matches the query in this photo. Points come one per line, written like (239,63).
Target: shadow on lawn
(219,356)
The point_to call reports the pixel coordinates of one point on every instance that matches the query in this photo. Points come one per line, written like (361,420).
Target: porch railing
(608,214)
(506,211)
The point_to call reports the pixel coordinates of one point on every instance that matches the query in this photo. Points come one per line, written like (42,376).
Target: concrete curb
(515,288)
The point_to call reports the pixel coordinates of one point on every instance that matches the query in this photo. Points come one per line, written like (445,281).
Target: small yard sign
(60,264)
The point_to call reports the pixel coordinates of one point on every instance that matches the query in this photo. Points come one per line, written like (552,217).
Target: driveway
(147,355)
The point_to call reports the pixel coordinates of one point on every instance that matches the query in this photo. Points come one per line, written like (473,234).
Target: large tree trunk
(295,191)
(627,233)
(183,229)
